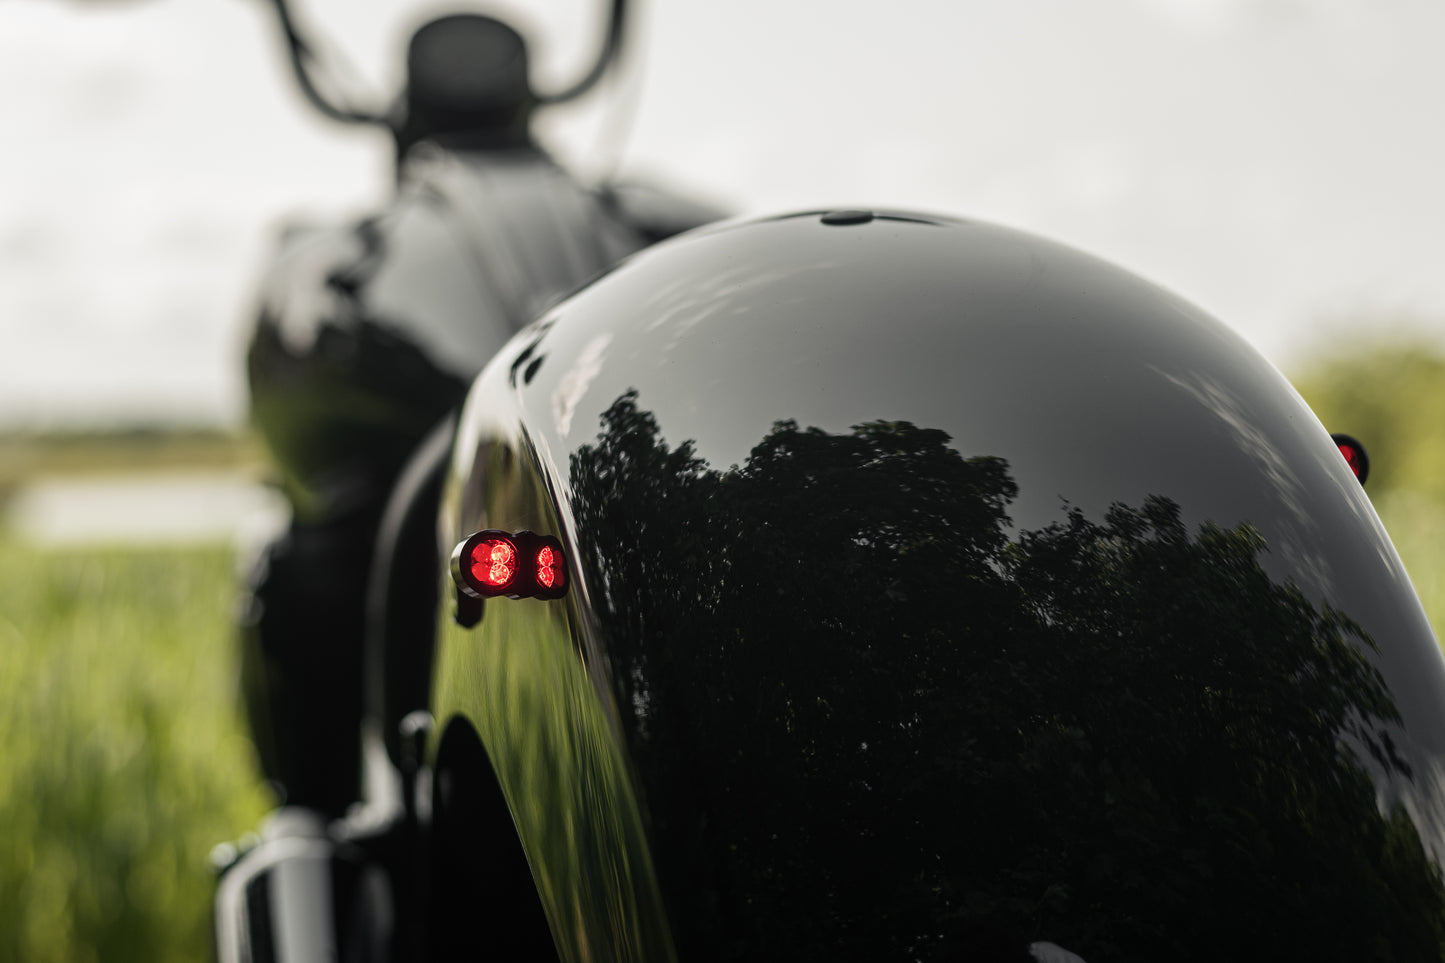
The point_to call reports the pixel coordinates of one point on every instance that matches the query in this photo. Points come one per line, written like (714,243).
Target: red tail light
(519,565)
(494,563)
(1354,454)
(549,568)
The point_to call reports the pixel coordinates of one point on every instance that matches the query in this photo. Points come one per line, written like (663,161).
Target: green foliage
(1391,396)
(124,760)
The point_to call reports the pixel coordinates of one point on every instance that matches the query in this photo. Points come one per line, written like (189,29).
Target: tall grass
(123,757)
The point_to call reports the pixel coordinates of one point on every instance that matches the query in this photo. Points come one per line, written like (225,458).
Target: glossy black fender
(937,589)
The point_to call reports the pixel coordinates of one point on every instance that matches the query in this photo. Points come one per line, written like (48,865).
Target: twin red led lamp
(517,565)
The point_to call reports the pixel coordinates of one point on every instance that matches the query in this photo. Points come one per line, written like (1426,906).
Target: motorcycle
(847,583)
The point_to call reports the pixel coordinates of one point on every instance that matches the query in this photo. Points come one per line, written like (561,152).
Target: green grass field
(124,757)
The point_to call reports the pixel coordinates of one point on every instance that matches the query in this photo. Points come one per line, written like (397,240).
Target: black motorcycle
(846,584)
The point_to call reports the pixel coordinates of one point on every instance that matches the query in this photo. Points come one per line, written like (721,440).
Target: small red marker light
(549,572)
(549,567)
(1354,455)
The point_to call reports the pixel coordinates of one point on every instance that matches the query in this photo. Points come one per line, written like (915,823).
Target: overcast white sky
(1278,162)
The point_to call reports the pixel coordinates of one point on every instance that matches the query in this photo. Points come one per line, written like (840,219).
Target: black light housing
(518,565)
(1354,454)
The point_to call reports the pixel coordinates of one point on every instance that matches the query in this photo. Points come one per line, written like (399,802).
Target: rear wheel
(483,897)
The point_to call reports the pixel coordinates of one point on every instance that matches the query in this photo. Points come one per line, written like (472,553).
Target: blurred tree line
(1390,394)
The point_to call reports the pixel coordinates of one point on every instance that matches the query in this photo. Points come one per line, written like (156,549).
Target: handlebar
(301,55)
(305,65)
(606,57)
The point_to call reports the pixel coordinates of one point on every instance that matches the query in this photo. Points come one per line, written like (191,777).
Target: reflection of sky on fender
(1268,160)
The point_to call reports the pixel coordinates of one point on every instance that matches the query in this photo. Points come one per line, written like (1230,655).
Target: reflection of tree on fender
(862,715)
